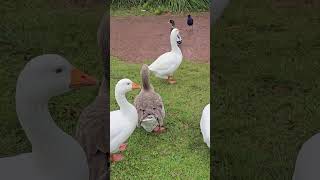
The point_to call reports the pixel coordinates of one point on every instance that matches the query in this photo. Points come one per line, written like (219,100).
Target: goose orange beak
(81,79)
(135,86)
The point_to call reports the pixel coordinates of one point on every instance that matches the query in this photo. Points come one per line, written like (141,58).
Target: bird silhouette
(190,21)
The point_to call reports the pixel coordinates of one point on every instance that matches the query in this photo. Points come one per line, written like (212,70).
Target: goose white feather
(55,154)
(205,125)
(307,163)
(168,63)
(124,121)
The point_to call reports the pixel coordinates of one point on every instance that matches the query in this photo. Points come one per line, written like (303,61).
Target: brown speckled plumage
(148,102)
(91,132)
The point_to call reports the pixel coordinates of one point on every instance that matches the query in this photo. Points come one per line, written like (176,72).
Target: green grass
(34,28)
(266,97)
(180,153)
(133,11)
(163,5)
(137,11)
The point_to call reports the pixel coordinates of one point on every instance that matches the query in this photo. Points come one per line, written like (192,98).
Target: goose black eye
(128,84)
(59,70)
(154,108)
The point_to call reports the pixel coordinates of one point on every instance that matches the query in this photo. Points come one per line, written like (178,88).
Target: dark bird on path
(190,21)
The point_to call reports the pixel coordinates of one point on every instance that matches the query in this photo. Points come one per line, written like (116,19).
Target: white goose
(308,160)
(123,121)
(165,65)
(205,125)
(55,154)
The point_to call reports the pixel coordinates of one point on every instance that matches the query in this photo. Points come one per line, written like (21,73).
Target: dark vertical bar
(211,89)
(216,10)
(104,34)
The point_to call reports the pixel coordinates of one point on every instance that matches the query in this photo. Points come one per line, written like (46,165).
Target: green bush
(170,5)
(158,11)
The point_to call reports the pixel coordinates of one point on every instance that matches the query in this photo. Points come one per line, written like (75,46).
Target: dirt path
(138,38)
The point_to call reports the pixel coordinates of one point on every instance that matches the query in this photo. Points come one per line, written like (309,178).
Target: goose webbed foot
(171,80)
(159,130)
(116,157)
(123,147)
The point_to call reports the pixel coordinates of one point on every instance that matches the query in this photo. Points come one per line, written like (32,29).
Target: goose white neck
(123,102)
(35,118)
(174,46)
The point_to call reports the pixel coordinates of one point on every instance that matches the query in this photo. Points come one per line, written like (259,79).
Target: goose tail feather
(145,77)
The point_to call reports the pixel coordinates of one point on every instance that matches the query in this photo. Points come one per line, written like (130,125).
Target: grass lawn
(267,92)
(137,11)
(146,7)
(180,152)
(134,11)
(32,28)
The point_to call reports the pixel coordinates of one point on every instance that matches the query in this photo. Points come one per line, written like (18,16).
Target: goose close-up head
(126,85)
(55,153)
(50,75)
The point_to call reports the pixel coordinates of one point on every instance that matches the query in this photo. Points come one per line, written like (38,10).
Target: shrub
(170,5)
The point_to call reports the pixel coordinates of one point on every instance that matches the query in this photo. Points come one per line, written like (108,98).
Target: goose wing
(164,62)
(119,130)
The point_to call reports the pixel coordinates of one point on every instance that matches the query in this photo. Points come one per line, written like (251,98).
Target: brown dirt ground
(138,38)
